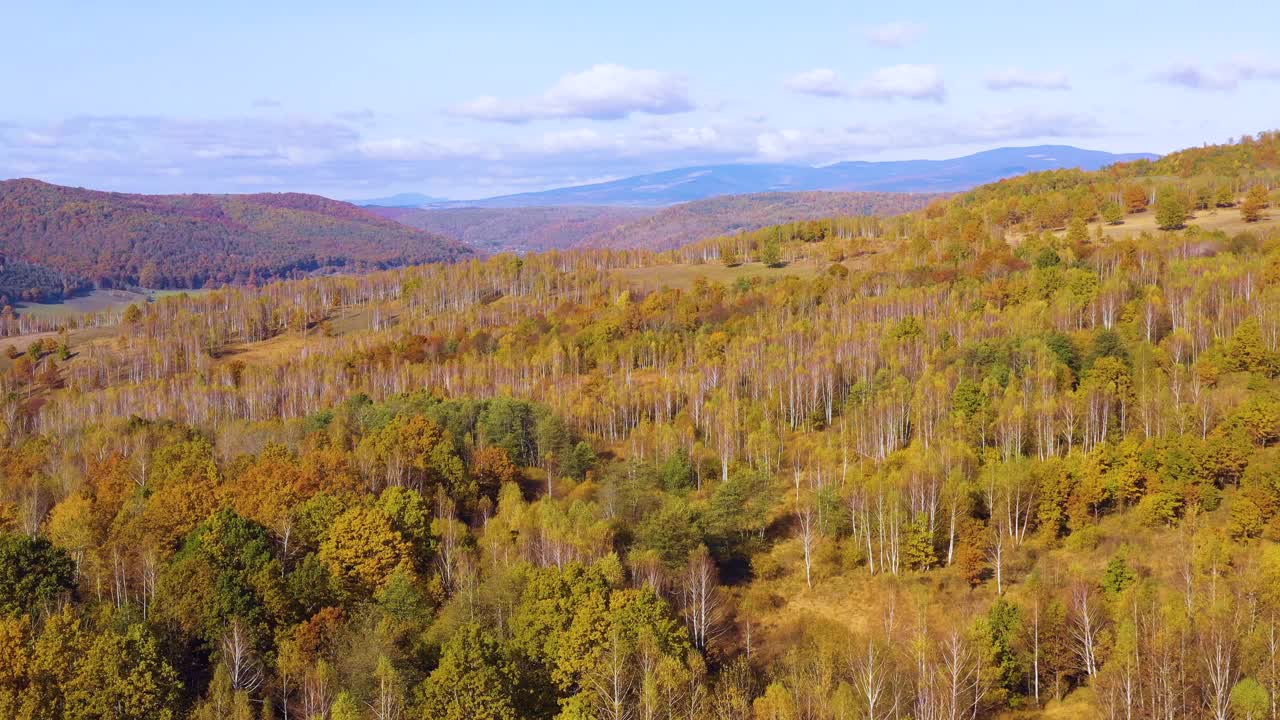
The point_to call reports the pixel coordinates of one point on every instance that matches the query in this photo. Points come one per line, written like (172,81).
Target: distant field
(93,302)
(271,350)
(96,301)
(78,340)
(683,276)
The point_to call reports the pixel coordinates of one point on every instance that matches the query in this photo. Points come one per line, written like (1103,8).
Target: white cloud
(913,82)
(894,34)
(39,139)
(601,92)
(493,109)
(1016,78)
(258,180)
(146,153)
(106,150)
(822,82)
(1247,67)
(1223,77)
(580,140)
(363,116)
(827,144)
(421,149)
(166,154)
(1019,125)
(633,143)
(1196,78)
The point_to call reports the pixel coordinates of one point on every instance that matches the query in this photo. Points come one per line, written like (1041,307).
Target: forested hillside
(190,241)
(986,460)
(686,223)
(531,229)
(519,230)
(27,281)
(1174,188)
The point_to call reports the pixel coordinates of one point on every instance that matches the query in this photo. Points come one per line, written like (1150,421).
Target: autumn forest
(1012,455)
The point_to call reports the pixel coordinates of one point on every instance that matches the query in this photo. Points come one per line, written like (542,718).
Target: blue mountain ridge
(670,187)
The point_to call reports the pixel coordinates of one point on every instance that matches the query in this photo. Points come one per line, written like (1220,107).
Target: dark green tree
(1118,576)
(1112,213)
(1003,626)
(771,253)
(33,573)
(224,570)
(1255,201)
(677,471)
(1171,209)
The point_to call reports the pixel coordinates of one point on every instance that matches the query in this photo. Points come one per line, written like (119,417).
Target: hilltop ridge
(162,241)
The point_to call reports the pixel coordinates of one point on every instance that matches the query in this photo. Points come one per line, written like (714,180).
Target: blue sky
(469,99)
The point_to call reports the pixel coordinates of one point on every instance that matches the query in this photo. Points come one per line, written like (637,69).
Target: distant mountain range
(184,241)
(698,183)
(401,200)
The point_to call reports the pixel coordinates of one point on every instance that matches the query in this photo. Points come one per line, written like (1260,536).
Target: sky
(474,99)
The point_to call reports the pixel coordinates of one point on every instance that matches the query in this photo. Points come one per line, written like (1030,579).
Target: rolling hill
(689,222)
(696,183)
(163,241)
(528,229)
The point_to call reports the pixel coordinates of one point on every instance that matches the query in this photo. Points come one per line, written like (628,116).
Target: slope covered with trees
(1208,179)
(21,281)
(965,470)
(689,222)
(519,230)
(190,241)
(531,229)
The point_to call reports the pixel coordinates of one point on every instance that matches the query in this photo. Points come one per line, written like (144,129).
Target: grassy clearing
(78,341)
(1077,705)
(293,344)
(1227,220)
(270,351)
(93,302)
(96,301)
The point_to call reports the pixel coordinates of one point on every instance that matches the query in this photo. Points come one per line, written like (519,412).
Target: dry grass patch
(1227,220)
